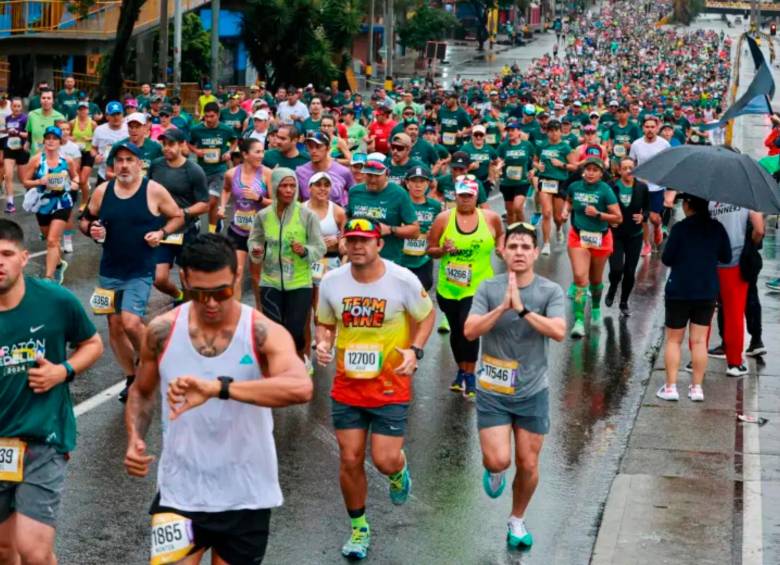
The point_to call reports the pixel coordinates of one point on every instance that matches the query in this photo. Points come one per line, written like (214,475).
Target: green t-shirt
(143,101)
(183,121)
(445,185)
(356,133)
(273,158)
(534,131)
(216,142)
(67,103)
(414,255)
(621,135)
(48,318)
(234,120)
(517,160)
(483,156)
(151,150)
(492,134)
(397,173)
(311,125)
(452,121)
(425,152)
(37,123)
(599,195)
(547,152)
(681,127)
(572,139)
(391,206)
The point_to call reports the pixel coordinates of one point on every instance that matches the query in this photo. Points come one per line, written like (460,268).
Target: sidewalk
(696,485)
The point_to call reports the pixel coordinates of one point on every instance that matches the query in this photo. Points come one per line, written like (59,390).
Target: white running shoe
(695,393)
(736,370)
(67,243)
(546,248)
(668,393)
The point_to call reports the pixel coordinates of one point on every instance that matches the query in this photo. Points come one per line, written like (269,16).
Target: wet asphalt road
(596,385)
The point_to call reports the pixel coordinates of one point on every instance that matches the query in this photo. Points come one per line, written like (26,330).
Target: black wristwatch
(70,372)
(224,389)
(419,353)
(524,312)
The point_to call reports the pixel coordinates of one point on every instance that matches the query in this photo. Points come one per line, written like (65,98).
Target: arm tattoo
(158,332)
(260,334)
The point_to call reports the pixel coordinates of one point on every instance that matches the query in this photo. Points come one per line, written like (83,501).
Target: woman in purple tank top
(248,185)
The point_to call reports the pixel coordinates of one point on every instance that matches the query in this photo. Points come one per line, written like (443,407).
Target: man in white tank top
(217,478)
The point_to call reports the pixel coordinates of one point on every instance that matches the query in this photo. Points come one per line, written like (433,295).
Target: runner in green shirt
(482,156)
(385,202)
(445,184)
(453,122)
(552,167)
(431,136)
(516,156)
(622,134)
(415,251)
(136,133)
(234,116)
(38,120)
(67,99)
(422,151)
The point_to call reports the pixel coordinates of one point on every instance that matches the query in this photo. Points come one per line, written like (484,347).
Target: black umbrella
(714,173)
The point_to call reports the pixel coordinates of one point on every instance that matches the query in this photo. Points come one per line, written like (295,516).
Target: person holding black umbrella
(695,247)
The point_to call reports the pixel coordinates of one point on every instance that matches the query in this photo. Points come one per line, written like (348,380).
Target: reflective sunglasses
(203,295)
(398,147)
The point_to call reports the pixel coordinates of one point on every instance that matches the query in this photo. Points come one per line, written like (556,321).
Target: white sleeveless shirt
(221,455)
(328,225)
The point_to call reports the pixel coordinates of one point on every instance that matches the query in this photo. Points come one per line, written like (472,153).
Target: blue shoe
(357,544)
(535,218)
(492,489)
(471,385)
(457,384)
(401,487)
(518,537)
(773,284)
(59,272)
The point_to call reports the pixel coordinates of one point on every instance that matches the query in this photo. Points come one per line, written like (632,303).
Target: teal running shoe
(595,315)
(489,481)
(518,537)
(357,544)
(59,272)
(773,284)
(401,487)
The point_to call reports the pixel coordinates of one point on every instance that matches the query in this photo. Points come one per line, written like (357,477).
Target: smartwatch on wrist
(524,312)
(165,233)
(224,388)
(70,372)
(418,352)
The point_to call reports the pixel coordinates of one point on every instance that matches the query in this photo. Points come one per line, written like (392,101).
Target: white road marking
(101,397)
(752,511)
(37,254)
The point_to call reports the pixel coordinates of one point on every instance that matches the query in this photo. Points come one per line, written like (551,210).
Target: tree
(427,24)
(195,49)
(685,11)
(112,79)
(288,40)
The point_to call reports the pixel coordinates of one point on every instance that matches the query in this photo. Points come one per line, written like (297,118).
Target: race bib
(415,247)
(449,138)
(695,139)
(12,460)
(619,150)
(57,181)
(244,218)
(625,199)
(211,155)
(514,172)
(591,239)
(14,143)
(498,375)
(459,275)
(174,239)
(102,301)
(172,538)
(549,186)
(490,139)
(363,361)
(319,269)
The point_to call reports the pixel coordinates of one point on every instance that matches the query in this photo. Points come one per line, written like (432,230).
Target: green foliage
(195,48)
(427,24)
(290,39)
(685,11)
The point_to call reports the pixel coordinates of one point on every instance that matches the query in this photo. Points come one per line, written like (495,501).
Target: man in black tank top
(129,215)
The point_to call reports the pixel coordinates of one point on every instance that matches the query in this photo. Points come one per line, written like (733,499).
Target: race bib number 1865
(172,538)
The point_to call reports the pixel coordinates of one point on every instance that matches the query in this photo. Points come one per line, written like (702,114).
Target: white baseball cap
(139,117)
(261,115)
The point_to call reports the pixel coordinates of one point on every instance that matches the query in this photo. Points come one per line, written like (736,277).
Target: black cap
(419,172)
(460,159)
(553,124)
(173,134)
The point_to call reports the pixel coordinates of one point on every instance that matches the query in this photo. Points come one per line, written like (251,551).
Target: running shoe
(578,329)
(646,250)
(571,291)
(624,311)
(518,535)
(717,352)
(535,218)
(457,384)
(736,370)
(546,248)
(689,367)
(668,392)
(444,326)
(59,272)
(609,299)
(756,349)
(67,243)
(595,315)
(773,284)
(10,208)
(357,544)
(470,381)
(695,393)
(125,391)
(493,483)
(401,486)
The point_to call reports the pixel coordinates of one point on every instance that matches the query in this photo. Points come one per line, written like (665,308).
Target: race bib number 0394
(172,538)
(12,460)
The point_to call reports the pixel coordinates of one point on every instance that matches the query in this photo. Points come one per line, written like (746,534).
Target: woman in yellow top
(464,238)
(81,130)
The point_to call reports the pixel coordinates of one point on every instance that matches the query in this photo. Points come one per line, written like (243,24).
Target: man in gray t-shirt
(515,314)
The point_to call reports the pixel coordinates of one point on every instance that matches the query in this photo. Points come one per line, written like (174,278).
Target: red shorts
(606,243)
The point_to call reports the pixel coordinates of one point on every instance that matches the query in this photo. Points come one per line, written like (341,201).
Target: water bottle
(99,224)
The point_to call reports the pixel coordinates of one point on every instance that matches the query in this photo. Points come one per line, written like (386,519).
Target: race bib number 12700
(172,538)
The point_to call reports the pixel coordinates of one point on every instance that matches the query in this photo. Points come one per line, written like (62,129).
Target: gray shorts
(215,183)
(38,495)
(134,293)
(531,414)
(387,420)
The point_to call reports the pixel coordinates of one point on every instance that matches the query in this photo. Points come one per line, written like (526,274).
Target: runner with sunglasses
(464,238)
(416,258)
(317,145)
(129,216)
(515,314)
(594,207)
(401,160)
(379,317)
(225,365)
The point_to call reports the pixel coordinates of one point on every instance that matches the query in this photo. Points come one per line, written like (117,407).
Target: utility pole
(370,41)
(215,43)
(177,47)
(163,41)
(390,36)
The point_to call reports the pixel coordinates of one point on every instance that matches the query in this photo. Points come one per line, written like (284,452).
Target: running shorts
(135,293)
(606,243)
(510,192)
(680,312)
(387,420)
(531,414)
(20,156)
(657,201)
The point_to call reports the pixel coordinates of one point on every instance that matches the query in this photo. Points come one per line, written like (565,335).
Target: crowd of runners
(348,218)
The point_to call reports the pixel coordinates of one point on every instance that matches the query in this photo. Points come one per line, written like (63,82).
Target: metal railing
(24,17)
